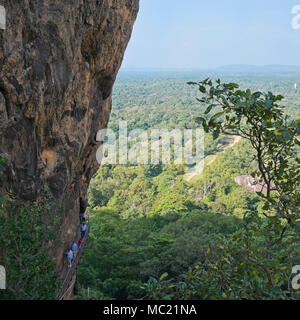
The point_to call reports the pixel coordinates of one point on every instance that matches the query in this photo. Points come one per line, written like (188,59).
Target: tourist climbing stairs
(69,281)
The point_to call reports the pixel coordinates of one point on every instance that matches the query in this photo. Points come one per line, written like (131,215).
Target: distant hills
(235,68)
(273,68)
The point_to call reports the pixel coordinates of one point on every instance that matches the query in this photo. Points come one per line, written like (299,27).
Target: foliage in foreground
(259,118)
(28,237)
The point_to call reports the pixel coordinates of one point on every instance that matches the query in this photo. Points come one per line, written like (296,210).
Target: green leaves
(24,248)
(258,118)
(202,89)
(204,123)
(216,116)
(210,107)
(230,86)
(163,276)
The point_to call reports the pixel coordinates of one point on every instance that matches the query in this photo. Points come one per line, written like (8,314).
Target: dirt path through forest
(235,141)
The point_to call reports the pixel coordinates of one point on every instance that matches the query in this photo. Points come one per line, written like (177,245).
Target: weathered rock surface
(58,63)
(252,184)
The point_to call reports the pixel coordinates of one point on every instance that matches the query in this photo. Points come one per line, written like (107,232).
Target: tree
(259,118)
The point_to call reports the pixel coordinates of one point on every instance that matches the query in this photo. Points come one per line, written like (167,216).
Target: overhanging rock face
(58,63)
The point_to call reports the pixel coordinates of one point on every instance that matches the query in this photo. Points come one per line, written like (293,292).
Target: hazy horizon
(220,67)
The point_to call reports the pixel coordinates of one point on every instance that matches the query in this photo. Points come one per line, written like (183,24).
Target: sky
(193,34)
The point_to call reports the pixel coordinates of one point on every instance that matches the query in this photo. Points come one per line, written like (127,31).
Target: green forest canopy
(155,235)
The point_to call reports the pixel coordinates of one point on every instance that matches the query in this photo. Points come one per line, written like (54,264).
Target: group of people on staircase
(76,247)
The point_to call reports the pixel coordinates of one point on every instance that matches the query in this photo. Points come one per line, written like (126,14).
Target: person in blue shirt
(83,230)
(70,257)
(74,249)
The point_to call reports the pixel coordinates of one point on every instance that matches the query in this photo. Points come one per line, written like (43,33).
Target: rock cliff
(58,63)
